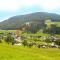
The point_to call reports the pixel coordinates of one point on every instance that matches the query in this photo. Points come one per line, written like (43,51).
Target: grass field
(2,31)
(49,23)
(8,52)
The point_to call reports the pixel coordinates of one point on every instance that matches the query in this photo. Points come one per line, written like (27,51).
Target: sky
(9,8)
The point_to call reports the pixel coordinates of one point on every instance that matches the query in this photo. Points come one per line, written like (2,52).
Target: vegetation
(24,42)
(8,52)
(9,39)
(35,46)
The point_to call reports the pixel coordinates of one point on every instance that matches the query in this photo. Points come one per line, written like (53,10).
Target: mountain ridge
(19,20)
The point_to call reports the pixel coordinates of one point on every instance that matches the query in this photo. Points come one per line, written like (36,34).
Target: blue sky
(9,8)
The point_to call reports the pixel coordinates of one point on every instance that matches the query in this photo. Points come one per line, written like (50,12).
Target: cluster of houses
(19,40)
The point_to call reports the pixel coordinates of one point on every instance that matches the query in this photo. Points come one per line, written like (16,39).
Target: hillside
(20,20)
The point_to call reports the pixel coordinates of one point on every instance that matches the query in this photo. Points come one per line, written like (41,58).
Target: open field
(8,52)
(1,31)
(56,23)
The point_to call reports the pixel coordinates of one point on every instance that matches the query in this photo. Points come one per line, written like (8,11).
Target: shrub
(30,44)
(48,40)
(9,39)
(0,41)
(24,42)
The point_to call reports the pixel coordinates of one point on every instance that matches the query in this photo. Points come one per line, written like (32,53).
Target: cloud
(13,5)
(50,4)
(8,5)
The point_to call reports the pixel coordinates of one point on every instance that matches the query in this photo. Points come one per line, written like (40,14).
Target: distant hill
(36,19)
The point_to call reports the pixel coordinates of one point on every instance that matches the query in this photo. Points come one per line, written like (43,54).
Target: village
(30,40)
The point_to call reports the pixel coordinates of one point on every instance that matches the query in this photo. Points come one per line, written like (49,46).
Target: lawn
(8,52)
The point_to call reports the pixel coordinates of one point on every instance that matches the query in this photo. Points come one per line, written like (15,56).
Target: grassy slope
(56,23)
(1,31)
(24,53)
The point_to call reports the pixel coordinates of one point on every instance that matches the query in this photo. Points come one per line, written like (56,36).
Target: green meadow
(9,52)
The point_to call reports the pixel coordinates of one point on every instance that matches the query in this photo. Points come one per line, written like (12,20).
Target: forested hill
(18,21)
